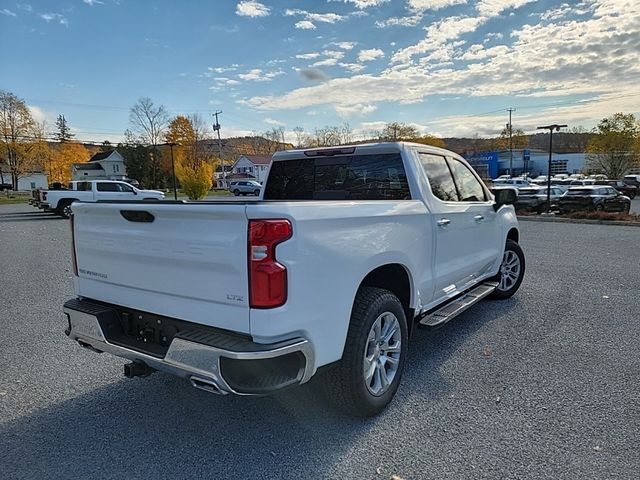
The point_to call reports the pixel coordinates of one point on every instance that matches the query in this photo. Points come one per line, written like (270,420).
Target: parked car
(59,201)
(5,186)
(245,187)
(632,180)
(593,198)
(350,248)
(535,198)
(512,182)
(626,189)
(582,182)
(540,180)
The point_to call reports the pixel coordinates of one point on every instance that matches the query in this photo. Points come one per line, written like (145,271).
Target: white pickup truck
(59,201)
(347,250)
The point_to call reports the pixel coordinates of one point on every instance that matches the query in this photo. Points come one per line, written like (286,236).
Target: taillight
(267,277)
(74,260)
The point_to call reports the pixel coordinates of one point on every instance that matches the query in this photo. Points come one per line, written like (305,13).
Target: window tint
(469,187)
(439,177)
(83,186)
(107,187)
(349,177)
(125,188)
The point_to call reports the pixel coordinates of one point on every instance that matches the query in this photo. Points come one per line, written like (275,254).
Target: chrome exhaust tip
(207,385)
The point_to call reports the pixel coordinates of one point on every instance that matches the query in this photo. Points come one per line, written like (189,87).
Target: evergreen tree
(64,132)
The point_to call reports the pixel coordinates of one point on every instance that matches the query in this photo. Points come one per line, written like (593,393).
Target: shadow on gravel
(160,427)
(28,216)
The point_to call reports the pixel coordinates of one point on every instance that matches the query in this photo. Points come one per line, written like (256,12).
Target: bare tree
(149,121)
(300,136)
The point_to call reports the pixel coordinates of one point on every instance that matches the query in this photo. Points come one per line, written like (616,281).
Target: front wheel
(365,381)
(511,271)
(236,192)
(256,193)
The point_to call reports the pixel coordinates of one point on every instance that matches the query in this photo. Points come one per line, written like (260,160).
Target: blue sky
(449,67)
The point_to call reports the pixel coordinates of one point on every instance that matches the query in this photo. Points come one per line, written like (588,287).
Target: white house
(103,165)
(28,181)
(252,167)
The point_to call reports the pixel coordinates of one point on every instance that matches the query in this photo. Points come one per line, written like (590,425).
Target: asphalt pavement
(544,385)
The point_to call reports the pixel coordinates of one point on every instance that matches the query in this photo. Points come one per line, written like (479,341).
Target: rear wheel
(511,271)
(365,381)
(599,208)
(256,192)
(64,210)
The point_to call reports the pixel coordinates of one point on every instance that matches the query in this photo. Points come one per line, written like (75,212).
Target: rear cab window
(343,177)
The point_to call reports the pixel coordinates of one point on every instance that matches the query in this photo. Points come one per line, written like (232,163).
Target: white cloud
(421,5)
(352,67)
(491,36)
(344,45)
(305,25)
(272,121)
(40,115)
(91,3)
(438,34)
(325,63)
(7,12)
(410,21)
(61,19)
(308,56)
(230,68)
(25,6)
(556,13)
(251,8)
(257,75)
(325,17)
(493,8)
(478,52)
(370,54)
(358,109)
(361,4)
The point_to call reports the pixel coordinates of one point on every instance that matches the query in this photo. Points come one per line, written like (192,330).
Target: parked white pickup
(59,201)
(346,250)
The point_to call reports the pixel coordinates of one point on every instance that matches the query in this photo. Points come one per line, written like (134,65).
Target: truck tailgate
(186,261)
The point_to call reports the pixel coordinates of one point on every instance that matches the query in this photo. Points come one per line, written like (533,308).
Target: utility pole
(173,167)
(510,129)
(216,128)
(551,128)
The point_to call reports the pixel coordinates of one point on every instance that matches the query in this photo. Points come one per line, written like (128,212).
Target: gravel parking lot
(544,385)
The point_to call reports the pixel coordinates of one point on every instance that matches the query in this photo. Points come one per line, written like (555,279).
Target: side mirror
(504,196)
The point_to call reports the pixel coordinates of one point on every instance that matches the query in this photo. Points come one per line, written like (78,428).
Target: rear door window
(344,177)
(107,187)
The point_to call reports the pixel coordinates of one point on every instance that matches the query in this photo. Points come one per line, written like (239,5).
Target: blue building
(535,162)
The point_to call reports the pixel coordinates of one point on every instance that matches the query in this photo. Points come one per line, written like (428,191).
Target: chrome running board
(458,305)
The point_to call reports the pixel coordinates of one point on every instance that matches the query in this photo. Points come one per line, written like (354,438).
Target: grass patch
(13,199)
(614,216)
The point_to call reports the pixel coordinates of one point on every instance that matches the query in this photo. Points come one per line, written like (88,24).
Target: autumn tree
(23,146)
(396,132)
(615,148)
(519,139)
(194,164)
(62,158)
(63,132)
(148,123)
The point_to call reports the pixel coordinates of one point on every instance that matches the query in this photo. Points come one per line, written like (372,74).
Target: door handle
(478,218)
(443,222)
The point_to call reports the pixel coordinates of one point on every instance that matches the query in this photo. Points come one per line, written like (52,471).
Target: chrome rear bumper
(198,361)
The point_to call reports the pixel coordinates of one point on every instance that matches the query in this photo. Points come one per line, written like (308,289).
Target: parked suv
(624,188)
(245,187)
(593,197)
(535,198)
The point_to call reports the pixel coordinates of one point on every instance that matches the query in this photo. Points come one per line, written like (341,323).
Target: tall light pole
(216,128)
(551,128)
(173,167)
(510,128)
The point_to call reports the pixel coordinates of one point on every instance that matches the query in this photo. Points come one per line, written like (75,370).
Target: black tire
(256,193)
(626,208)
(504,293)
(599,208)
(632,195)
(236,192)
(64,208)
(345,382)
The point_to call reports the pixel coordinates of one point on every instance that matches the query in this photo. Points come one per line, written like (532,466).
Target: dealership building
(496,163)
